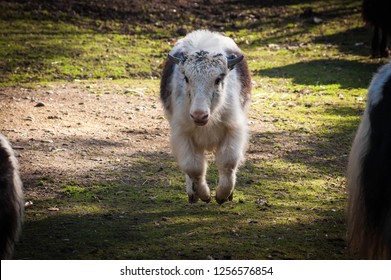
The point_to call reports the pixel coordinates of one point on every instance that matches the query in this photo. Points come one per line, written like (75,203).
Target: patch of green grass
(40,50)
(74,191)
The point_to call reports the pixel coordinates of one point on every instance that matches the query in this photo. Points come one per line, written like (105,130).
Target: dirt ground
(67,132)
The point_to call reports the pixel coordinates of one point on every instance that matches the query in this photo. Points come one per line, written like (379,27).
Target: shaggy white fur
(207,111)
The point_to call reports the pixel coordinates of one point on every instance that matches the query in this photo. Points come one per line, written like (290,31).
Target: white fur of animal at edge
(376,87)
(374,96)
(361,139)
(7,147)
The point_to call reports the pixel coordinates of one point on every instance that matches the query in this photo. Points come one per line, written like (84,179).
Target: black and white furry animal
(369,174)
(205,91)
(378,14)
(11,200)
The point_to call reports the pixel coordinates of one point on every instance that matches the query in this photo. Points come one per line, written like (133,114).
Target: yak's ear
(181,58)
(232,60)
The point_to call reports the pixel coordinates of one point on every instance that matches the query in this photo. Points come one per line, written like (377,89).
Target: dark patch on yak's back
(165,89)
(245,79)
(376,168)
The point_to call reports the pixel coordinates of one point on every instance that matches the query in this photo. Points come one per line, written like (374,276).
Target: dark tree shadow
(348,74)
(122,236)
(212,14)
(354,41)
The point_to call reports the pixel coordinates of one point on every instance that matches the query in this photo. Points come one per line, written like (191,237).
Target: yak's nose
(200,117)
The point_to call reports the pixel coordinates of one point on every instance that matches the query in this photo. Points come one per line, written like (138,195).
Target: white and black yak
(378,14)
(11,200)
(205,91)
(369,174)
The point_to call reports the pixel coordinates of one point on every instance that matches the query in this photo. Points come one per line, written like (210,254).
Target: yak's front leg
(193,163)
(383,43)
(228,158)
(196,188)
(227,180)
(196,185)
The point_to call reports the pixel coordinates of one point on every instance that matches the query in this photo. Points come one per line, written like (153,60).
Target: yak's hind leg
(375,41)
(193,163)
(228,157)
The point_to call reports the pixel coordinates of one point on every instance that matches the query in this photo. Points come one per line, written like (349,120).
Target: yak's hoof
(380,53)
(375,54)
(220,201)
(193,198)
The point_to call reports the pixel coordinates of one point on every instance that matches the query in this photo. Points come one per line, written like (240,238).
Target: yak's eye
(187,80)
(219,79)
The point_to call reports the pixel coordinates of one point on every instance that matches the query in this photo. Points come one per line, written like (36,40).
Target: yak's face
(204,75)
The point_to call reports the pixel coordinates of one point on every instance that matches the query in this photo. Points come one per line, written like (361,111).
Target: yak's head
(204,75)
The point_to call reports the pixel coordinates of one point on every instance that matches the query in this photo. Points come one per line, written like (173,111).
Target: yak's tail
(11,200)
(369,175)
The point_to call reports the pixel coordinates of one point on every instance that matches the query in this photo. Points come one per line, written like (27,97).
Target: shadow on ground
(353,74)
